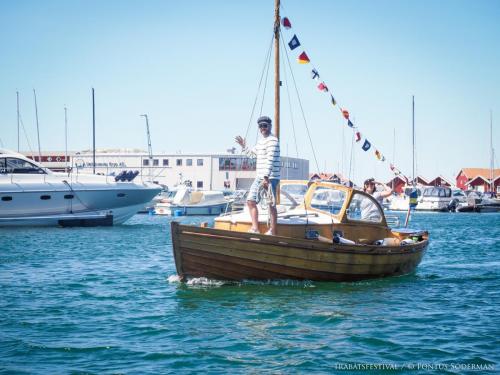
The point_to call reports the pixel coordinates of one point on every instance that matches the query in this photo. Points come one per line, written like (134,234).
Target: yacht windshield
(364,208)
(19,166)
(328,199)
(437,192)
(292,194)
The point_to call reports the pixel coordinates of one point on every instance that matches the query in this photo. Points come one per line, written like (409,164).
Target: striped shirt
(267,152)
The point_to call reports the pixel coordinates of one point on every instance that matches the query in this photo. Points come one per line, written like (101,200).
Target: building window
(145,162)
(237,164)
(156,162)
(199,162)
(189,162)
(165,162)
(178,162)
(199,184)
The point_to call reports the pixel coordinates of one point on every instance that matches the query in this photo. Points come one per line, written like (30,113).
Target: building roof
(471,173)
(442,179)
(479,177)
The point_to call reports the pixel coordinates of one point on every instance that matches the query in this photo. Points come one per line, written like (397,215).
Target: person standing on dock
(267,152)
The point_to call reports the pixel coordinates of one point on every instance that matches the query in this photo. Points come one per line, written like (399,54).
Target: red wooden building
(477,179)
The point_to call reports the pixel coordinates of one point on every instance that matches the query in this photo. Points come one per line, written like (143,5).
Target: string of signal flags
(303,58)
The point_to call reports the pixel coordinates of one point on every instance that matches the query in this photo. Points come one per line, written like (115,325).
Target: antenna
(37,128)
(17,96)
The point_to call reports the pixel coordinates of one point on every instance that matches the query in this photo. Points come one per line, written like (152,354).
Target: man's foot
(253,230)
(269,233)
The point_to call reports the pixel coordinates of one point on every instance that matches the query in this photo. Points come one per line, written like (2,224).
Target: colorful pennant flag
(378,154)
(294,43)
(286,23)
(383,158)
(303,58)
(333,100)
(358,136)
(366,146)
(345,113)
(314,74)
(350,124)
(323,87)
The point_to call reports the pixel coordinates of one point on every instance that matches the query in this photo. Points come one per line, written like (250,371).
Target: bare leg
(254,214)
(273,212)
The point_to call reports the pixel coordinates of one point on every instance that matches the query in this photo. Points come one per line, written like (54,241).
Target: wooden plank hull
(228,255)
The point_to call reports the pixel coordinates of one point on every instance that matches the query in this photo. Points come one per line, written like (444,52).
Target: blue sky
(194,68)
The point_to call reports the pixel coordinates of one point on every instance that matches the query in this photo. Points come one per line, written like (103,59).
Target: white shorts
(253,193)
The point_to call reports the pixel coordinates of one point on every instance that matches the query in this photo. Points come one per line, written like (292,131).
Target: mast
(66,139)
(17,96)
(37,128)
(277,68)
(492,187)
(413,137)
(93,130)
(150,149)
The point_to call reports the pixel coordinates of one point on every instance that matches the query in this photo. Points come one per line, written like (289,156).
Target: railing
(393,221)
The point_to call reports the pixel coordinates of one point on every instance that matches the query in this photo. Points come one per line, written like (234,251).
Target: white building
(205,171)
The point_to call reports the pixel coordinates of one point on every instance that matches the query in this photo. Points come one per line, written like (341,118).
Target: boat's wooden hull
(229,255)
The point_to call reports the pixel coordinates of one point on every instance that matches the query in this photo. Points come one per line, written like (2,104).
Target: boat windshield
(409,189)
(292,194)
(328,199)
(437,192)
(364,208)
(19,166)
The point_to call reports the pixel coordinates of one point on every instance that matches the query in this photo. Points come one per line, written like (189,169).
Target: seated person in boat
(267,152)
(368,209)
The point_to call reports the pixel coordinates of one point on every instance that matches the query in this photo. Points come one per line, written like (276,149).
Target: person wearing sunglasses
(267,152)
(368,209)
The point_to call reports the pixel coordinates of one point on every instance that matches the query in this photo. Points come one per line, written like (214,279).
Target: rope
(289,102)
(301,107)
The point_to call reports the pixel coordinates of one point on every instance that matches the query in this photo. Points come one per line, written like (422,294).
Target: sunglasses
(263,126)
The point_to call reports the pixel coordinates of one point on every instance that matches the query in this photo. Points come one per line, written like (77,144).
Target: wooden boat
(336,234)
(305,246)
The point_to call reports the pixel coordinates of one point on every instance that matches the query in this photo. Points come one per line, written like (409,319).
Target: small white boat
(33,195)
(190,202)
(436,198)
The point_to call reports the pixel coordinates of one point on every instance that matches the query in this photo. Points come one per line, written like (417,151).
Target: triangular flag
(383,158)
(392,167)
(350,124)
(358,136)
(294,43)
(286,23)
(323,87)
(314,74)
(303,59)
(333,100)
(366,146)
(345,113)
(378,155)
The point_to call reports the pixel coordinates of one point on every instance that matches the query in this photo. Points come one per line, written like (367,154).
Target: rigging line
(290,102)
(302,110)
(260,84)
(265,82)
(350,160)
(26,136)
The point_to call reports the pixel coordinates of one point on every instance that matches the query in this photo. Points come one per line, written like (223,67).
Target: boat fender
(342,240)
(407,241)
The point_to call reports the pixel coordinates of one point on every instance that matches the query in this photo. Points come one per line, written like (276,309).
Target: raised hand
(241,141)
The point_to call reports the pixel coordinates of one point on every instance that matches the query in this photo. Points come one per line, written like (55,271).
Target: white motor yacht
(33,195)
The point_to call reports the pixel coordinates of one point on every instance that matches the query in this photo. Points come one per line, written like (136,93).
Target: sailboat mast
(413,136)
(17,96)
(491,153)
(277,68)
(37,128)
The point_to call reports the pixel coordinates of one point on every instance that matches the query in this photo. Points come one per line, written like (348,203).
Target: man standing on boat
(267,152)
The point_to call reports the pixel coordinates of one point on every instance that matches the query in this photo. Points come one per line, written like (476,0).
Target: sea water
(107,300)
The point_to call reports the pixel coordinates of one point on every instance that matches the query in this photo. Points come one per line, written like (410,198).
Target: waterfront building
(202,171)
(478,179)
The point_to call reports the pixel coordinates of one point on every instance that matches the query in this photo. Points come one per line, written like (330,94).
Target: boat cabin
(13,163)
